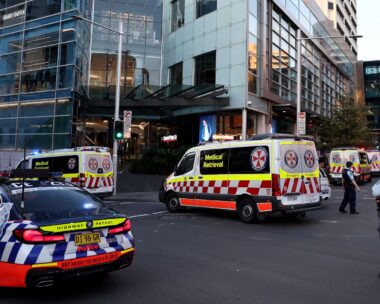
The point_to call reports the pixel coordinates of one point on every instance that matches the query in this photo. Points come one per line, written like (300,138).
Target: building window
(205,6)
(330,5)
(205,68)
(178,14)
(176,73)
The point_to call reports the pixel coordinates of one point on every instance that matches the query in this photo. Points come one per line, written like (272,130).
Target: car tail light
(82,180)
(276,190)
(378,203)
(32,236)
(121,229)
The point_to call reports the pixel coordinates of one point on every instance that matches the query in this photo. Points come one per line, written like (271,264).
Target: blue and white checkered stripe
(12,251)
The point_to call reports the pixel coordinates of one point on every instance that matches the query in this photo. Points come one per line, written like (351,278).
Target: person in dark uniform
(349,185)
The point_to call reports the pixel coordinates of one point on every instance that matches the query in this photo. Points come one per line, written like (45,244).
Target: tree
(348,126)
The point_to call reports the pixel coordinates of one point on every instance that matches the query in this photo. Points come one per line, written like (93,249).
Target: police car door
(184,176)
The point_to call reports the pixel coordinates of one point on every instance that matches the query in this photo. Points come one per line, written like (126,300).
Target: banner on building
(207,127)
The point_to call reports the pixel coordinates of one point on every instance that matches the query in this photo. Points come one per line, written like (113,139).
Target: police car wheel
(247,211)
(172,203)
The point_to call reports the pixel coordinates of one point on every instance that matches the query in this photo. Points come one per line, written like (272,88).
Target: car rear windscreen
(47,204)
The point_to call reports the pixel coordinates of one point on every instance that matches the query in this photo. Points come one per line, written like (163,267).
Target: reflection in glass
(41,80)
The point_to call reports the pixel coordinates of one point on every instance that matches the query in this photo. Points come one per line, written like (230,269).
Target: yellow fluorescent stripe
(226,177)
(284,174)
(307,143)
(98,175)
(82,225)
(71,175)
(127,251)
(45,265)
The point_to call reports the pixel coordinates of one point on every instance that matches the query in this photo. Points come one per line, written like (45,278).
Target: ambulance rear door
(299,173)
(98,172)
(374,157)
(337,163)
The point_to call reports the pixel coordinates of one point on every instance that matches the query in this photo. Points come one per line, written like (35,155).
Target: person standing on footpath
(349,185)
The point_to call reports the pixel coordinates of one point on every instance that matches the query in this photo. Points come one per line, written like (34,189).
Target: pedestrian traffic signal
(118,131)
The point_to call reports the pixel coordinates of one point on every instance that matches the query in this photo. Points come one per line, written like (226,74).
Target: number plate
(87,238)
(291,198)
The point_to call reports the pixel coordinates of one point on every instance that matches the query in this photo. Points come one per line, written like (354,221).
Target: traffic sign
(127,117)
(301,123)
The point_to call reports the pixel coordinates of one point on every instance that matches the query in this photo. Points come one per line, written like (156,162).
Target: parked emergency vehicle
(374,157)
(89,168)
(269,173)
(361,164)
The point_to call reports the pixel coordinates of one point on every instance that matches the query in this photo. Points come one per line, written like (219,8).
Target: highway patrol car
(51,230)
(270,173)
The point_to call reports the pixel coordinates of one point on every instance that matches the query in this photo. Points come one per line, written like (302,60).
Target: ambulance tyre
(248,213)
(172,203)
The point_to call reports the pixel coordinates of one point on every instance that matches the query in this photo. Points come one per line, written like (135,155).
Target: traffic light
(118,130)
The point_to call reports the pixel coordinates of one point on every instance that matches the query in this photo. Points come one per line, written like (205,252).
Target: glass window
(42,36)
(67,53)
(7,126)
(64,107)
(176,73)
(253,7)
(10,63)
(12,15)
(65,77)
(214,161)
(40,58)
(41,80)
(63,124)
(34,141)
(35,125)
(8,110)
(64,164)
(186,165)
(249,160)
(42,8)
(39,108)
(205,68)
(205,7)
(253,25)
(11,43)
(252,83)
(178,14)
(9,84)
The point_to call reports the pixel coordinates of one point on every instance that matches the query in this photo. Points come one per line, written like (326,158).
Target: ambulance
(270,173)
(89,167)
(374,157)
(361,164)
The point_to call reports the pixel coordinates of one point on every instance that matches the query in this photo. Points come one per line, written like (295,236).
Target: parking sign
(127,123)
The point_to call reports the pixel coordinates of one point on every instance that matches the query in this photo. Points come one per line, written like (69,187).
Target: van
(87,167)
(374,157)
(271,173)
(361,164)
(325,185)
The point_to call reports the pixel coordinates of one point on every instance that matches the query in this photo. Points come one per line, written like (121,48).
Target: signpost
(302,123)
(127,123)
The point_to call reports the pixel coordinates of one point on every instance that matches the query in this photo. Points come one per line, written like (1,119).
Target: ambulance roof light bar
(280,136)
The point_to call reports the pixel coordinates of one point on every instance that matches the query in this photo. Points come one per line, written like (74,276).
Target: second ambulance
(269,174)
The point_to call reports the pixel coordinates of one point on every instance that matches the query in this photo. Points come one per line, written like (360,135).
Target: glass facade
(372,93)
(142,21)
(254,18)
(43,62)
(322,82)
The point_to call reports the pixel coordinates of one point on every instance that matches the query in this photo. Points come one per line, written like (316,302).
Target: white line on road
(139,215)
(160,212)
(330,222)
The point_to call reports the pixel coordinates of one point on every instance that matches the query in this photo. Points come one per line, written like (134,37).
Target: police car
(52,230)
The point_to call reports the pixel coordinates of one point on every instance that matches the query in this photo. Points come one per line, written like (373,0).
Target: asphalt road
(203,256)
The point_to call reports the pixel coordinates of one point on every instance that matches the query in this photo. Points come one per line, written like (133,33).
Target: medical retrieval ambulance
(374,157)
(361,164)
(268,174)
(87,167)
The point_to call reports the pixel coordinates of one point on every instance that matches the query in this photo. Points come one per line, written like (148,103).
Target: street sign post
(301,123)
(127,117)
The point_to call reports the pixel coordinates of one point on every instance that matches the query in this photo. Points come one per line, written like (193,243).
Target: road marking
(159,212)
(327,221)
(147,214)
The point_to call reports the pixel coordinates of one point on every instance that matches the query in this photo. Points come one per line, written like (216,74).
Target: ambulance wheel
(248,213)
(172,203)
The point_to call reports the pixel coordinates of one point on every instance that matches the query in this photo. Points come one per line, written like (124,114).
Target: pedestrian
(350,186)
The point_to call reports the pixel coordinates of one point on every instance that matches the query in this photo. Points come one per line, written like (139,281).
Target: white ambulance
(87,167)
(268,174)
(374,157)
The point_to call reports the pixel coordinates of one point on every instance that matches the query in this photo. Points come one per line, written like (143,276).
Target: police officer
(350,185)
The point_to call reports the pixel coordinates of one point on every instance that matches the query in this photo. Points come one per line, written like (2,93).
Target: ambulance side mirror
(175,170)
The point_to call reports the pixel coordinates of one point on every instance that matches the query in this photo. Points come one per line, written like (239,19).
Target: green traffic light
(119,135)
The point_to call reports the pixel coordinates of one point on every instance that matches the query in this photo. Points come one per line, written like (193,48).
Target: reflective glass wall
(43,63)
(142,21)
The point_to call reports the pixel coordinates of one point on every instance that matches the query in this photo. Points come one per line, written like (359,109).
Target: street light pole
(299,68)
(117,94)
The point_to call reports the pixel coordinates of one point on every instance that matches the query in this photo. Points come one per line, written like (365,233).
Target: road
(203,256)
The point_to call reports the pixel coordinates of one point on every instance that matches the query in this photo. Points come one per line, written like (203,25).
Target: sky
(369,27)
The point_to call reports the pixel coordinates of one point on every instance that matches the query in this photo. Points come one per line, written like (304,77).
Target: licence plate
(87,238)
(291,198)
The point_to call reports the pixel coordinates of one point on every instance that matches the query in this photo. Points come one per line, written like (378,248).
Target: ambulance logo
(374,158)
(106,164)
(351,158)
(93,164)
(309,159)
(259,159)
(337,159)
(291,159)
(71,163)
